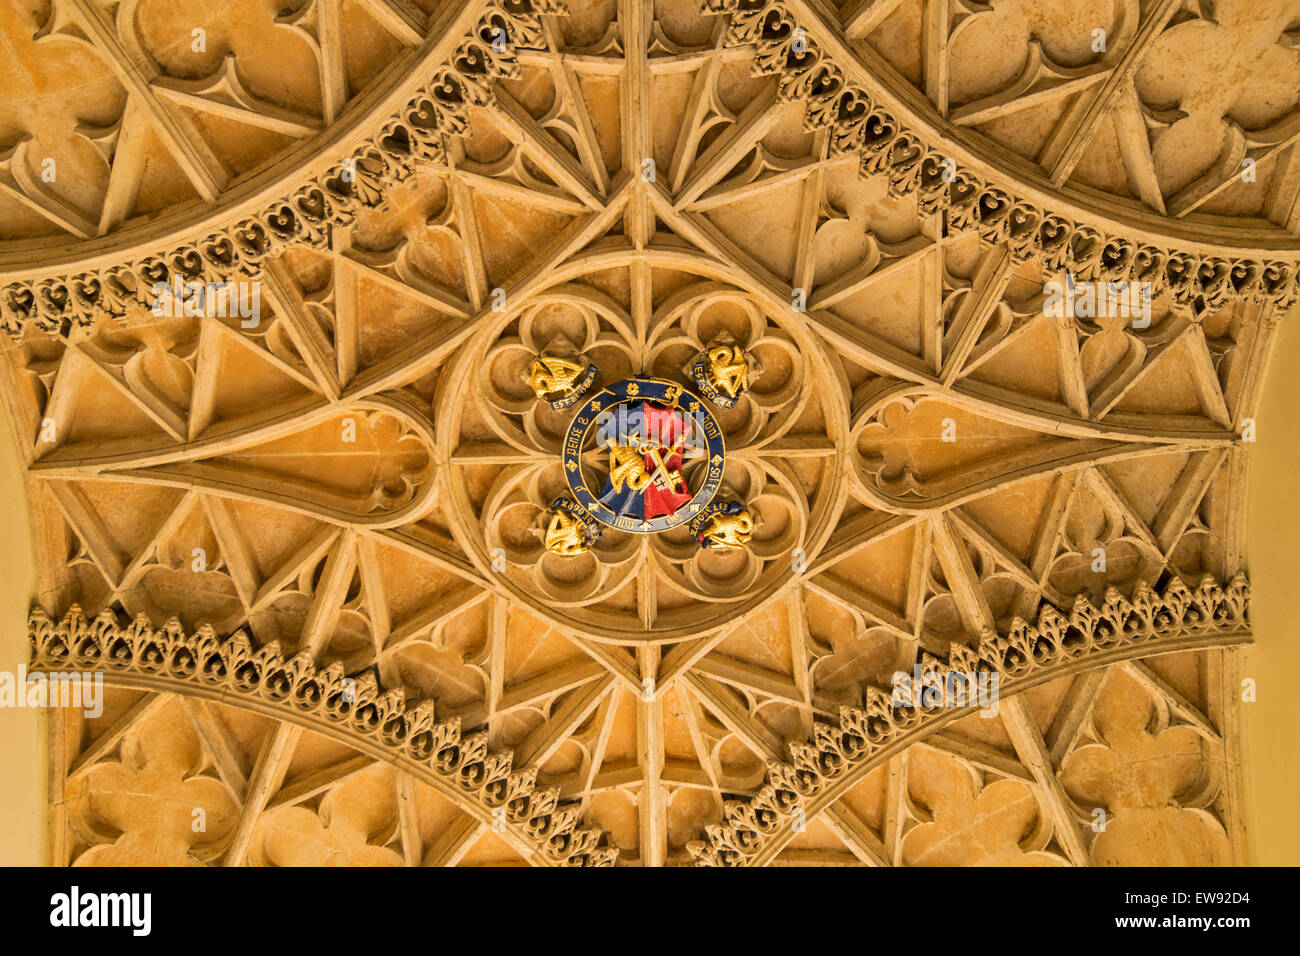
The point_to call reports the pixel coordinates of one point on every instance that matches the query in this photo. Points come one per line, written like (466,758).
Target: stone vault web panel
(342,505)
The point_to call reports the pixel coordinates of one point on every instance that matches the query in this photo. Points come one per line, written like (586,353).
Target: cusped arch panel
(357,712)
(935,456)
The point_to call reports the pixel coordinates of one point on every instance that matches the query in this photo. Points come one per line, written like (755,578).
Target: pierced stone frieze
(913,162)
(755,828)
(379,723)
(919,161)
(360,178)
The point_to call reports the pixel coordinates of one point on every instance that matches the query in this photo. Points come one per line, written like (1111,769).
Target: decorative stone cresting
(1026,652)
(321,696)
(386,159)
(858,123)
(930,452)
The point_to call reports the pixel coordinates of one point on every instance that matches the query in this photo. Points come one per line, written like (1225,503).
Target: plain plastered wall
(1271,725)
(22,730)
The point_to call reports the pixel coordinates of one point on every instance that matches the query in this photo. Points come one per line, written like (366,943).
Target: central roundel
(643,455)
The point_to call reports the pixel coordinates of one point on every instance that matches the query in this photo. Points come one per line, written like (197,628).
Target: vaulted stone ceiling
(304,542)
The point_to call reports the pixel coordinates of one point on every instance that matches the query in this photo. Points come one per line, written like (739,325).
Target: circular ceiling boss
(505,412)
(644,455)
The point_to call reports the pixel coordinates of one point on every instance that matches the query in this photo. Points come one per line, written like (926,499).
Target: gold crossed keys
(627,466)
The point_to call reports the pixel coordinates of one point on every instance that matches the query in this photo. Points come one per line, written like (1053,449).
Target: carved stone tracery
(360,493)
